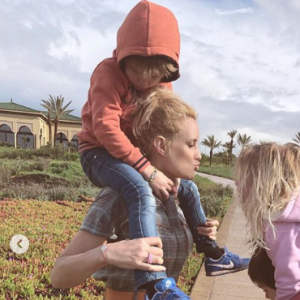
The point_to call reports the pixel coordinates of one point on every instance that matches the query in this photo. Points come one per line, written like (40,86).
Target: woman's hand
(133,254)
(210,229)
(162,186)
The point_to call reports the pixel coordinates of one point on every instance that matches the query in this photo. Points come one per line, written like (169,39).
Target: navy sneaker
(167,290)
(228,263)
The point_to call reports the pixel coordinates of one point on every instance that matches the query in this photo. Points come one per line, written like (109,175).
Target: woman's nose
(198,155)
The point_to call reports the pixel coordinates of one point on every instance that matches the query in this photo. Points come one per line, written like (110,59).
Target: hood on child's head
(149,29)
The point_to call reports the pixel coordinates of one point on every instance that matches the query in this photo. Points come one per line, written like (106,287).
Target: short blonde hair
(150,66)
(267,175)
(161,113)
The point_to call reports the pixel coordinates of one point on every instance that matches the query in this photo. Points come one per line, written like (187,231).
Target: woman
(166,130)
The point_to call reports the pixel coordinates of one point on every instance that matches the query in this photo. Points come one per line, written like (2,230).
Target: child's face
(269,292)
(137,79)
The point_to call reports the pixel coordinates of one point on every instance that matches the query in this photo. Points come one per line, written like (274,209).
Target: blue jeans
(189,202)
(102,169)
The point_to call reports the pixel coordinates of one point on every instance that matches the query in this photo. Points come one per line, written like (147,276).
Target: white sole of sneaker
(224,272)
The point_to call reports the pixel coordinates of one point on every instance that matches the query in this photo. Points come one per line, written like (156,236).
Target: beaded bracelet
(153,175)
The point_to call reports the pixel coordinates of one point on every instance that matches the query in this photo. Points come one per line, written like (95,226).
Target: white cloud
(239,60)
(247,10)
(243,60)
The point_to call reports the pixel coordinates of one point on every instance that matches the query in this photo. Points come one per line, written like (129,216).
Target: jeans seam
(190,190)
(132,185)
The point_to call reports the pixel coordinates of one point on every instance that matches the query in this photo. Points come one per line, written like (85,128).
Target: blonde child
(268,181)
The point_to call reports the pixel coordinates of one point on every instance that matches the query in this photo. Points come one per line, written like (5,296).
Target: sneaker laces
(230,254)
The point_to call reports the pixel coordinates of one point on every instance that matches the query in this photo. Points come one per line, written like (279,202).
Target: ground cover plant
(50,225)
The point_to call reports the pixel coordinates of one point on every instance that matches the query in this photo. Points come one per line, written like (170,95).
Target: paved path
(235,286)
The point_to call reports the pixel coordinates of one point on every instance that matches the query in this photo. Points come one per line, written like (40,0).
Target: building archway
(75,142)
(7,135)
(25,138)
(61,139)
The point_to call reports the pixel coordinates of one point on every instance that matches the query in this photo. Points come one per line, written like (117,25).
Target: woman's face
(184,155)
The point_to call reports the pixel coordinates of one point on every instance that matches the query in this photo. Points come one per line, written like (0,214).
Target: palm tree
(47,104)
(227,150)
(297,139)
(59,110)
(232,134)
(212,144)
(243,140)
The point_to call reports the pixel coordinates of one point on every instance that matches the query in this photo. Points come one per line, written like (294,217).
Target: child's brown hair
(261,271)
(151,66)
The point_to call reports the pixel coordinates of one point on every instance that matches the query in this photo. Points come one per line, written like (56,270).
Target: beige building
(24,127)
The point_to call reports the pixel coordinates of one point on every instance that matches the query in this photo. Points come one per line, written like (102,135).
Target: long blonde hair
(267,175)
(161,113)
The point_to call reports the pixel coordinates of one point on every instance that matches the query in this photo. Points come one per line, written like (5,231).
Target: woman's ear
(159,144)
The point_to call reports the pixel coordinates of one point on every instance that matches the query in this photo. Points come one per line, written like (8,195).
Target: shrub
(24,191)
(213,197)
(18,166)
(5,144)
(5,175)
(213,205)
(66,169)
(57,152)
(39,192)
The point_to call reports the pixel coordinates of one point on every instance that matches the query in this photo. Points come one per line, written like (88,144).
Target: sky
(239,61)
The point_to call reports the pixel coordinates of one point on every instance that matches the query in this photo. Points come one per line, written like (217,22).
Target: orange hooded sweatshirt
(149,29)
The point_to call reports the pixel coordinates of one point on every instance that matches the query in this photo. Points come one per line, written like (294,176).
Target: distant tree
(226,155)
(223,156)
(48,105)
(232,134)
(59,111)
(228,151)
(297,139)
(243,140)
(211,143)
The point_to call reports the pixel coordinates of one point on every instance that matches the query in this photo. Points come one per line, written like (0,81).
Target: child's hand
(162,186)
(209,229)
